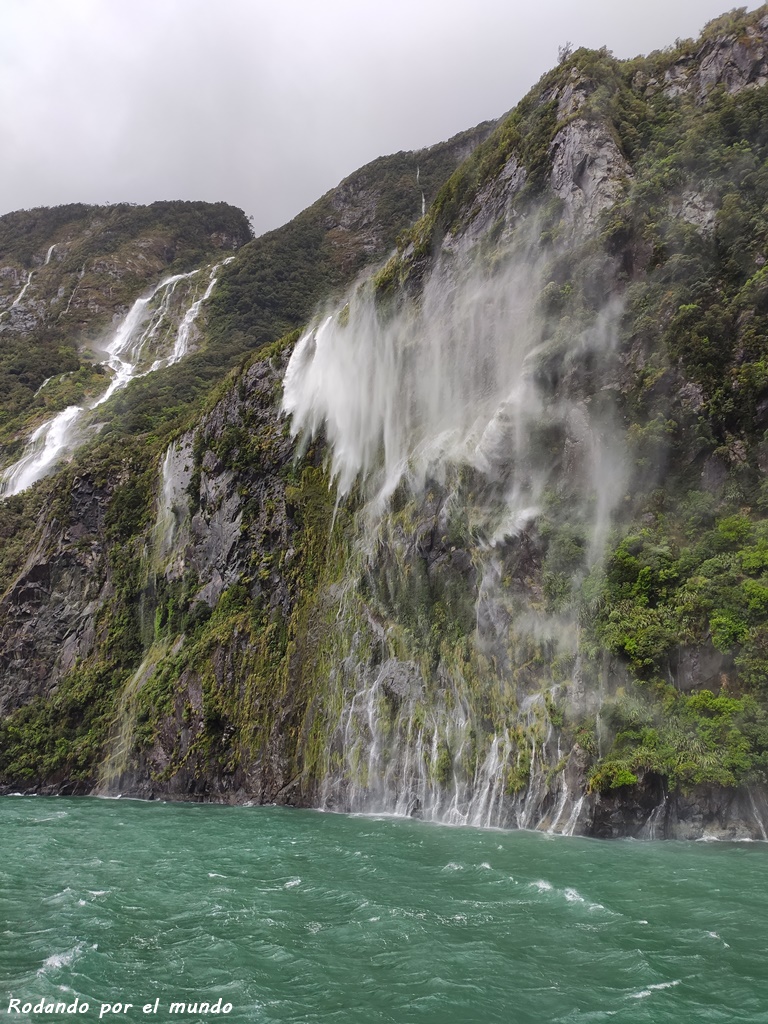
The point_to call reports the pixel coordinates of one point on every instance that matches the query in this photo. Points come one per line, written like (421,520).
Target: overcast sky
(269,104)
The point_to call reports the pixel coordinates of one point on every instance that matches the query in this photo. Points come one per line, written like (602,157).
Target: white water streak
(181,345)
(20,296)
(400,394)
(42,450)
(27,283)
(125,350)
(141,329)
(405,391)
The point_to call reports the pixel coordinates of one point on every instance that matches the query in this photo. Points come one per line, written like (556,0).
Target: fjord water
(306,917)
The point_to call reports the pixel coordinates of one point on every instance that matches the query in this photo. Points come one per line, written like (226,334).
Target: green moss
(62,738)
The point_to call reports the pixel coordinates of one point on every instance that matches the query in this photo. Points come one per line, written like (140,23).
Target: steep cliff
(77,537)
(487,541)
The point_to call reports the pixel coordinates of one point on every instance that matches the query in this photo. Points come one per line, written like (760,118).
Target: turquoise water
(295,916)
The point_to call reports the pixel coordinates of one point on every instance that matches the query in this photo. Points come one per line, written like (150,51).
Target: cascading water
(445,408)
(183,334)
(22,293)
(42,450)
(125,351)
(27,283)
(175,474)
(118,759)
(145,330)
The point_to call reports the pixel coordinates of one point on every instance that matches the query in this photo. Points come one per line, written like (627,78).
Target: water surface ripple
(295,916)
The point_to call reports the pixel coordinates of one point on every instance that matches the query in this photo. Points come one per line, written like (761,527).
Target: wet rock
(401,679)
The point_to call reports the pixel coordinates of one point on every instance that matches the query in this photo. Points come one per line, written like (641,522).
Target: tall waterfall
(144,333)
(138,330)
(462,405)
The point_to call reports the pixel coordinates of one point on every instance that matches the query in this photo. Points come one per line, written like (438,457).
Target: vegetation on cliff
(646,181)
(103,258)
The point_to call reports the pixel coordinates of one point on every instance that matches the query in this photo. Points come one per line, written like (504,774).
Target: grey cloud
(267,105)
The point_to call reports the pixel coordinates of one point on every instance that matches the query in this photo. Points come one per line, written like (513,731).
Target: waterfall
(423,200)
(758,816)
(27,283)
(117,761)
(125,350)
(468,402)
(145,330)
(181,344)
(42,450)
(649,830)
(399,396)
(398,765)
(573,820)
(165,523)
(20,296)
(175,474)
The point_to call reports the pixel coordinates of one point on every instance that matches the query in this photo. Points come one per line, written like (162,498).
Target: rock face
(737,65)
(212,620)
(697,210)
(735,62)
(588,171)
(47,616)
(704,813)
(220,542)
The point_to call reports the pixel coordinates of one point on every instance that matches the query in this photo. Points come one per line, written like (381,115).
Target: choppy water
(294,916)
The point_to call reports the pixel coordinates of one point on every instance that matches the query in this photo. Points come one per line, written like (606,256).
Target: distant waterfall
(21,294)
(145,330)
(183,334)
(140,327)
(42,450)
(27,283)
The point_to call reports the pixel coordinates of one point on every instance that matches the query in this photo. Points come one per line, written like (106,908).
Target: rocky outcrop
(734,61)
(358,220)
(213,540)
(588,171)
(47,617)
(705,812)
(698,210)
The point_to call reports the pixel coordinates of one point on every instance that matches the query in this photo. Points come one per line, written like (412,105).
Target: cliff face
(486,542)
